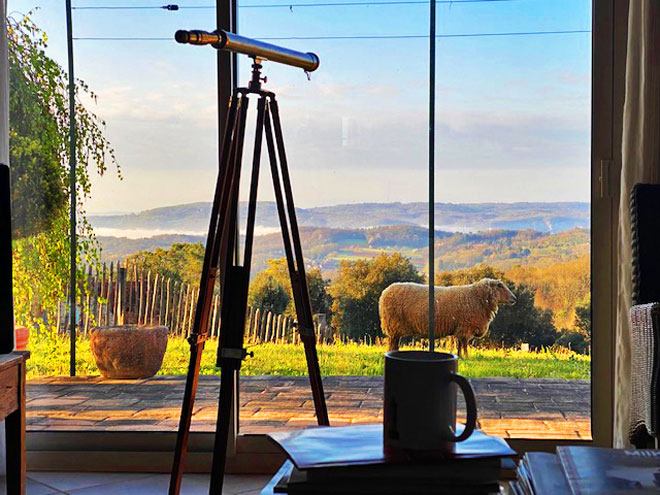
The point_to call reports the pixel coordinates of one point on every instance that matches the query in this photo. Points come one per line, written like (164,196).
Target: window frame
(152,451)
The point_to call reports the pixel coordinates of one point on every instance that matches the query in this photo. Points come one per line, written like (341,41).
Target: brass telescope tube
(224,40)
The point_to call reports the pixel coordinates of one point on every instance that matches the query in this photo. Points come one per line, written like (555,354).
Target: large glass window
(513,193)
(512,203)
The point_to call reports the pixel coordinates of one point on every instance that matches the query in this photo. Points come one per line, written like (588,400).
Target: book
(515,488)
(596,470)
(508,468)
(545,474)
(457,471)
(278,482)
(363,445)
(417,481)
(524,480)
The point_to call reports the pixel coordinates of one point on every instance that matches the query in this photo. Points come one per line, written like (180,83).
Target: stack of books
(350,461)
(588,470)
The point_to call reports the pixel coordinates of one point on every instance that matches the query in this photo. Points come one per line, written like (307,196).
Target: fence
(119,294)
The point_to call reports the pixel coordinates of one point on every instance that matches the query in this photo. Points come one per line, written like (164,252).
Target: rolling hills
(327,247)
(472,217)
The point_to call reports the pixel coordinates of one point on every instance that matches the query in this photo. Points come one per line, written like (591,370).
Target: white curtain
(640,163)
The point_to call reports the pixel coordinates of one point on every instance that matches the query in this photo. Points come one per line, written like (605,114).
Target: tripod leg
(207,283)
(234,307)
(227,378)
(292,246)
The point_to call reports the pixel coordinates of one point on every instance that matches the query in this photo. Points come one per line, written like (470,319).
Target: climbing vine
(39,161)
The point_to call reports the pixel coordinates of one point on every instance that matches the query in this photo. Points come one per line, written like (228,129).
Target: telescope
(222,259)
(232,42)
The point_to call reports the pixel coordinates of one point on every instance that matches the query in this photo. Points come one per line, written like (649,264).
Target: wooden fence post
(269,320)
(161,307)
(121,294)
(140,298)
(85,296)
(178,309)
(167,303)
(153,300)
(257,325)
(147,299)
(212,330)
(111,298)
(191,313)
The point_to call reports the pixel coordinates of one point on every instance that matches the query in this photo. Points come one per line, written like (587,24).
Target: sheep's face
(501,292)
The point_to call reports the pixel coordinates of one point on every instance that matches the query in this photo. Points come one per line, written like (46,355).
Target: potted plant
(128,351)
(21,336)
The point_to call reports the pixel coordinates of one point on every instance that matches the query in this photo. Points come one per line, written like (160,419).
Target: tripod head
(258,50)
(256,80)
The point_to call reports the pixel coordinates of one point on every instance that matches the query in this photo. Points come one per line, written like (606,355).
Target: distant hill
(118,248)
(327,247)
(542,217)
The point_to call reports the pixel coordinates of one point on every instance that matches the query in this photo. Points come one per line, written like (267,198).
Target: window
(513,121)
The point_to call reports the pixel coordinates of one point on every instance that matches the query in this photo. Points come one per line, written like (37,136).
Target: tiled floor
(51,483)
(508,407)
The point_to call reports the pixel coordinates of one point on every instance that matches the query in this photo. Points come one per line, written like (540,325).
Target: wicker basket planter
(128,351)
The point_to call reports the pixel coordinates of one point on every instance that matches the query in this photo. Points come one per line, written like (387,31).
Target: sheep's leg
(462,348)
(393,343)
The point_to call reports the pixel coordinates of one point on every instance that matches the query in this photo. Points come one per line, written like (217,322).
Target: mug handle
(471,405)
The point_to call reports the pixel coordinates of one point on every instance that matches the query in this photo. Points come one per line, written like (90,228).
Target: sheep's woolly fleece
(464,311)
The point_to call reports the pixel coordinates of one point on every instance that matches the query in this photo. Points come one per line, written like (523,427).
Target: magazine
(591,470)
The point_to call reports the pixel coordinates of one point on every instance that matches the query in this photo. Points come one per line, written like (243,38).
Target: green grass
(50,356)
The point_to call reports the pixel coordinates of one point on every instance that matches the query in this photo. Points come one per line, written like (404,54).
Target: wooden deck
(508,407)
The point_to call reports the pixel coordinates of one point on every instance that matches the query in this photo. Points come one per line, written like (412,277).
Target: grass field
(50,356)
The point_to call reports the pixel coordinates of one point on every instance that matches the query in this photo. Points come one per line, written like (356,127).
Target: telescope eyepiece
(197,37)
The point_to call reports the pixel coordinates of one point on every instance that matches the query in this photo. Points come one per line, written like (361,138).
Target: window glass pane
(512,156)
(513,103)
(155,103)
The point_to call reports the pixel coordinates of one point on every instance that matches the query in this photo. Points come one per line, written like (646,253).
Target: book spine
(570,471)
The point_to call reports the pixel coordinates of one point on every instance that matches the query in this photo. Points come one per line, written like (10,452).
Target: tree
(522,322)
(468,275)
(579,339)
(560,287)
(268,294)
(582,322)
(319,298)
(357,288)
(181,262)
(39,157)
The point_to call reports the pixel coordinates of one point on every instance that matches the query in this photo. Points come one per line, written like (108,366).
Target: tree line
(350,300)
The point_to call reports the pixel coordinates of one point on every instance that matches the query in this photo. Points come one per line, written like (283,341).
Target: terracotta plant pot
(22,335)
(128,351)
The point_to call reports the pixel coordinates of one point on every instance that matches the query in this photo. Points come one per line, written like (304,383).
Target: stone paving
(508,407)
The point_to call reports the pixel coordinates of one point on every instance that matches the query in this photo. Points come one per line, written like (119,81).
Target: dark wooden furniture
(645,315)
(12,410)
(6,298)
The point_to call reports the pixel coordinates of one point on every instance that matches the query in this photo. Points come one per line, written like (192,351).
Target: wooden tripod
(222,259)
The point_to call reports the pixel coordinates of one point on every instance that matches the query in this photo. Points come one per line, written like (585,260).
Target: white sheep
(464,311)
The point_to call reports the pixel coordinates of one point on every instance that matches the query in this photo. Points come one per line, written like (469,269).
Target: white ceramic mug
(420,402)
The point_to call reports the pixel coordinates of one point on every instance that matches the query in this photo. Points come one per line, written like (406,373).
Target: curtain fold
(640,163)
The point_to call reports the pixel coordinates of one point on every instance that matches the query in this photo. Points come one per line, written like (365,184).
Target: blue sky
(512,112)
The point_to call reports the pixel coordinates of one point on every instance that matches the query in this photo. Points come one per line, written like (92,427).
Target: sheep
(464,311)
